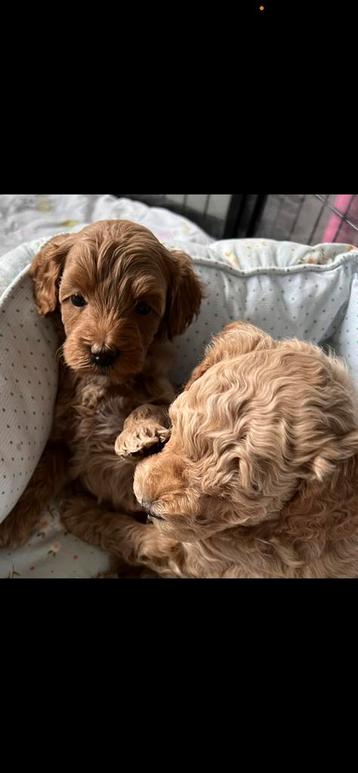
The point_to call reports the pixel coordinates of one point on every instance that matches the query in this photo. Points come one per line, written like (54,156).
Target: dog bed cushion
(28,384)
(287,289)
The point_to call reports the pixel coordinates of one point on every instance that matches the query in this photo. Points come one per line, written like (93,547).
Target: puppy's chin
(127,365)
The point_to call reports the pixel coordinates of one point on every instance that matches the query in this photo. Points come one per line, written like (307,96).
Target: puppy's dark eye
(143,308)
(78,300)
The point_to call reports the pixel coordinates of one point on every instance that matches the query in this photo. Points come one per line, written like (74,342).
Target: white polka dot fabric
(52,552)
(28,384)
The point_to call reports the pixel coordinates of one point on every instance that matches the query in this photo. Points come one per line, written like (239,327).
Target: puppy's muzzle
(103,357)
(149,512)
(151,516)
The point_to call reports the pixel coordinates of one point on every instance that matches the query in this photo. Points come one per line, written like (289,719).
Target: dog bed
(30,216)
(287,289)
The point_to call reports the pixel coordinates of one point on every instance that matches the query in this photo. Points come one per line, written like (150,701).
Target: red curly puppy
(118,296)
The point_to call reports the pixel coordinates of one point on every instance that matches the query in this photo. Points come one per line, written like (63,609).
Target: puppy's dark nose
(103,358)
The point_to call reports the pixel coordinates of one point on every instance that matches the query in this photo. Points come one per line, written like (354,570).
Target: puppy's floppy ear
(197,373)
(46,269)
(235,339)
(184,295)
(334,452)
(212,356)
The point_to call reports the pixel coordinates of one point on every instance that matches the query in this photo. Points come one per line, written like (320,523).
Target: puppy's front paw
(147,438)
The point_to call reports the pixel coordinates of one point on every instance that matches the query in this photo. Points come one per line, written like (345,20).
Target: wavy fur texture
(260,475)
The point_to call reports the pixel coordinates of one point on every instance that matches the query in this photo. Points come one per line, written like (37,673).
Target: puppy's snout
(103,357)
(147,506)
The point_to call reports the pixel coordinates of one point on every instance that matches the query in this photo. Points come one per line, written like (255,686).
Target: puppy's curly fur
(118,296)
(260,475)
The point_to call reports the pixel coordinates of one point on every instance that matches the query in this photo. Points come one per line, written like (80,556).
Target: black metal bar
(233,216)
(256,215)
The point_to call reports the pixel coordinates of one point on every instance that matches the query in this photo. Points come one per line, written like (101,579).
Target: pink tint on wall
(341,202)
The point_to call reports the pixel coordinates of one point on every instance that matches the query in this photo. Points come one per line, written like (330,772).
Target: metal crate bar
(246,215)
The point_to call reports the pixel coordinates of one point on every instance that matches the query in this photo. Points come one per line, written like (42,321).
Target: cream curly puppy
(260,475)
